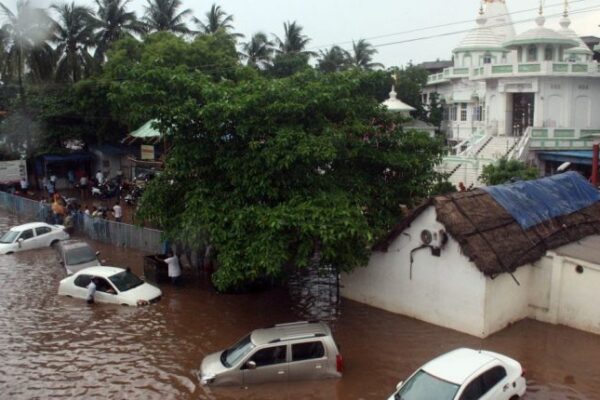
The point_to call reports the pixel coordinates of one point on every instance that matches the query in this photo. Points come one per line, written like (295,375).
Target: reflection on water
(52,346)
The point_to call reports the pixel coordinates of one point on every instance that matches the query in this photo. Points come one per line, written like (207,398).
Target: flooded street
(56,347)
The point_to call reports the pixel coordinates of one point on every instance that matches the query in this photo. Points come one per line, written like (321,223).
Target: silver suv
(76,255)
(284,352)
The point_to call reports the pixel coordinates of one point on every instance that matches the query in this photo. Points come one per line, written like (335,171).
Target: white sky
(341,21)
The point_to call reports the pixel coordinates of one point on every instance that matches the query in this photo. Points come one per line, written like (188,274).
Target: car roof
(102,271)
(29,225)
(458,365)
(290,331)
(73,244)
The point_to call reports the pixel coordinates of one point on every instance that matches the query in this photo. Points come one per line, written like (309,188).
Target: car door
(309,360)
(42,236)
(270,365)
(495,384)
(26,240)
(105,292)
(79,289)
(489,385)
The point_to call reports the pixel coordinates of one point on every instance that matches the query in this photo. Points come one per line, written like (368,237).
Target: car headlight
(207,379)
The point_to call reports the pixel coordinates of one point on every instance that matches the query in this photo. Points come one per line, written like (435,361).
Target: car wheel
(9,253)
(515,397)
(126,305)
(54,243)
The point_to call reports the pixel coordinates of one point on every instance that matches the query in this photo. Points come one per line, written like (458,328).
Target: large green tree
(258,51)
(334,59)
(276,173)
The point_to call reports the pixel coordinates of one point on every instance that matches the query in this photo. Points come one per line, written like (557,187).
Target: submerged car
(113,285)
(284,352)
(31,236)
(76,255)
(465,374)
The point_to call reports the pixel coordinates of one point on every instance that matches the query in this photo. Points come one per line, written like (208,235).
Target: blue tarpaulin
(533,202)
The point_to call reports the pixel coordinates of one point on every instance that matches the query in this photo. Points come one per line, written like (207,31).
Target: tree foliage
(278,172)
(506,171)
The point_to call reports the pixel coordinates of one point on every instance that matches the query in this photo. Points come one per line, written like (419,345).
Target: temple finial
(566,13)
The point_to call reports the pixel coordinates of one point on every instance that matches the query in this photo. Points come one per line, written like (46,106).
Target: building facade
(514,95)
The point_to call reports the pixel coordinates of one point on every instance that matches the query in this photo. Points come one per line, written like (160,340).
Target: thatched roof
(491,238)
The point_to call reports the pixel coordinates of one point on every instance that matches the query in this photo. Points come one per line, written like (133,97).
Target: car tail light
(339,363)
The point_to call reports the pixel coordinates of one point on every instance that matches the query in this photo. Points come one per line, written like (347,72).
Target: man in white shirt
(174,268)
(118,212)
(99,177)
(24,185)
(91,291)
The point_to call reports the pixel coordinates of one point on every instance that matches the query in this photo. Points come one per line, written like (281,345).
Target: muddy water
(58,347)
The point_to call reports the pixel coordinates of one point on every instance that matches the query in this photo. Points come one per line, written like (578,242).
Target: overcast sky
(329,22)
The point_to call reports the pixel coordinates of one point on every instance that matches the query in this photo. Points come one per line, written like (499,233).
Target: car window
(269,356)
(474,390)
(102,285)
(126,280)
(83,280)
(423,386)
(42,230)
(492,377)
(307,351)
(28,234)
(79,255)
(235,353)
(9,237)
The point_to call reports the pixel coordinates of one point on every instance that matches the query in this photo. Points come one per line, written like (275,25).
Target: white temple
(533,96)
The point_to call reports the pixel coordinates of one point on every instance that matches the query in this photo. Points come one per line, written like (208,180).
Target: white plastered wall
(447,291)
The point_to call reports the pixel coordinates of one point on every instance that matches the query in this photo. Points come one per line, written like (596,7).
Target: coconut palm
(164,15)
(334,59)
(114,22)
(362,55)
(293,40)
(216,20)
(258,51)
(74,36)
(25,34)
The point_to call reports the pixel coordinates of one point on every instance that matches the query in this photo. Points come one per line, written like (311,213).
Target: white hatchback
(30,236)
(465,374)
(113,285)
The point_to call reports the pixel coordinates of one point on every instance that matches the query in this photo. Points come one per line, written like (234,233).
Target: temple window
(520,54)
(548,53)
(532,53)
(487,58)
(463,111)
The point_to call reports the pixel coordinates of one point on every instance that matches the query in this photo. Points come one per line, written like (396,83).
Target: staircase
(466,167)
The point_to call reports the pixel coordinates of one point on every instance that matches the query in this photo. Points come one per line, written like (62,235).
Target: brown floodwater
(52,346)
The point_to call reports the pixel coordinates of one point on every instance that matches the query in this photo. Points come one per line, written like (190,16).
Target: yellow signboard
(147,152)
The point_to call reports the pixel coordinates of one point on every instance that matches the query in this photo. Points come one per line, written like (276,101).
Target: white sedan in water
(30,236)
(465,374)
(113,285)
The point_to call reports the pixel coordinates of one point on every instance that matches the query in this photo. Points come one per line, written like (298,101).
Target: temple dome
(480,38)
(395,105)
(581,48)
(541,35)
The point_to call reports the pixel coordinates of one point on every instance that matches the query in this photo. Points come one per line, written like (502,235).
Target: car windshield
(234,354)
(125,281)
(9,237)
(423,386)
(79,255)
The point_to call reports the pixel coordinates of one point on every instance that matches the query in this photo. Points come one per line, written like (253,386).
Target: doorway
(523,109)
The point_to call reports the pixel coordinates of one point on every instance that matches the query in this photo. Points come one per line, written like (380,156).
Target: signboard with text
(147,152)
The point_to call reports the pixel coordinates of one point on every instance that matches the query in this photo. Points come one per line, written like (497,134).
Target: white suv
(465,374)
(284,352)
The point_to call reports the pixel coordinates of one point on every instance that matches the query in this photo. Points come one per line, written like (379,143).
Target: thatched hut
(477,261)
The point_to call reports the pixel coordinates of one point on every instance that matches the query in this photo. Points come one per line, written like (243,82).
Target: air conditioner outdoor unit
(434,238)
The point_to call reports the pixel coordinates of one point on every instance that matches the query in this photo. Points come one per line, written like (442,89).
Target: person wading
(91,288)
(174,268)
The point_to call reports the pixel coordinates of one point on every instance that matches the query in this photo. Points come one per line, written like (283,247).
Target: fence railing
(102,230)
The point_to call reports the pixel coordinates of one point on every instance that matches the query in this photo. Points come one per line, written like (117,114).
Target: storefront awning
(581,157)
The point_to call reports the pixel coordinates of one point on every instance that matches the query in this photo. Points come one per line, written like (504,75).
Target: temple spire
(566,13)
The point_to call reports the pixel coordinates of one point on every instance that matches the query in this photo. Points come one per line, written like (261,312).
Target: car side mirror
(399,385)
(250,365)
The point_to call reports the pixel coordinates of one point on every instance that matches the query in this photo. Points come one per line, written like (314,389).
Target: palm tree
(74,35)
(258,51)
(163,15)
(114,22)
(362,55)
(293,40)
(335,59)
(25,36)
(216,20)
